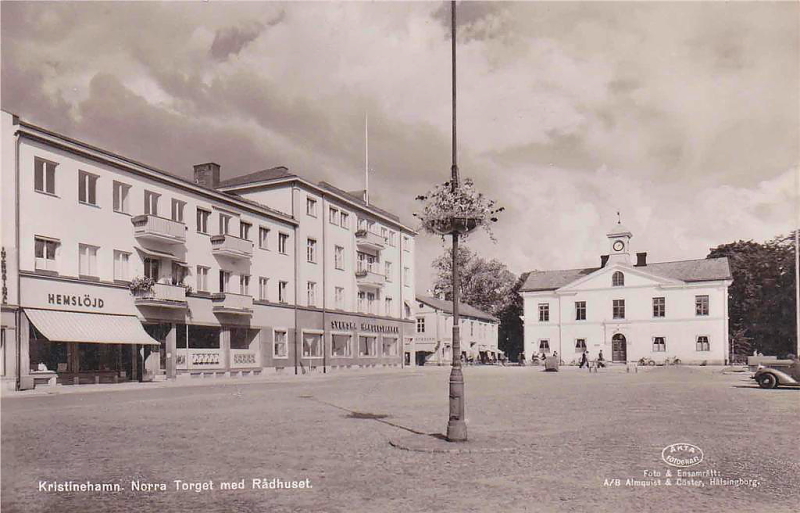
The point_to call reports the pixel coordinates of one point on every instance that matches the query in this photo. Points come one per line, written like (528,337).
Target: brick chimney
(641,259)
(207,175)
(603,260)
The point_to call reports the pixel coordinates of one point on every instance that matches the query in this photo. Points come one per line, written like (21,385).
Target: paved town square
(566,441)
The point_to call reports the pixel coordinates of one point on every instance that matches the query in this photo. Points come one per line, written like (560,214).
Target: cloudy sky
(684,117)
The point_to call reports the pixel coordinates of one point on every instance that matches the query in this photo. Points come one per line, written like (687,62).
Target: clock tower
(619,239)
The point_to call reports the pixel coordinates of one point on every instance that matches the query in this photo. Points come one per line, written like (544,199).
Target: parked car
(778,373)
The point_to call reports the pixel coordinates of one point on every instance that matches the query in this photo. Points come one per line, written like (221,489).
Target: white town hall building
(630,310)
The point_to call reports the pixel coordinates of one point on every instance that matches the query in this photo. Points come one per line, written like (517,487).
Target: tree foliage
(487,285)
(761,300)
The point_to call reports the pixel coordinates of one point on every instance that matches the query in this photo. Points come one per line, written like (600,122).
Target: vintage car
(778,372)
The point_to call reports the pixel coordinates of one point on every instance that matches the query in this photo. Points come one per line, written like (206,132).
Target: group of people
(600,362)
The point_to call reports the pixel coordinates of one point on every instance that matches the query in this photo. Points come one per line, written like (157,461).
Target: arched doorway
(619,349)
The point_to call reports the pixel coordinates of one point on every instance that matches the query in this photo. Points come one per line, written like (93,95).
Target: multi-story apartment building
(433,342)
(630,310)
(114,270)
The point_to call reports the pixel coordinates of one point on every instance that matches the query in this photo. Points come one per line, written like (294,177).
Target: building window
(224,224)
(544,312)
(202,278)
(406,277)
(244,284)
(263,237)
(202,220)
(333,215)
(659,307)
(388,271)
(152,268)
(392,238)
(244,230)
(45,253)
(362,224)
(472,328)
(385,234)
(339,297)
(224,281)
(279,345)
(341,345)
(178,273)
(580,345)
(406,243)
(344,220)
(151,203)
(371,302)
(367,345)
(177,210)
(312,345)
(87,259)
(362,297)
(121,260)
(619,309)
(312,293)
(701,305)
(282,291)
(387,306)
(617,279)
(544,346)
(311,207)
(389,346)
(420,324)
(44,177)
(659,344)
(121,192)
(702,343)
(262,289)
(87,188)
(366,262)
(311,251)
(283,239)
(338,257)
(580,310)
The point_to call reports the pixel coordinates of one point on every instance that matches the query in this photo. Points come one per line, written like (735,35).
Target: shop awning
(156,253)
(90,328)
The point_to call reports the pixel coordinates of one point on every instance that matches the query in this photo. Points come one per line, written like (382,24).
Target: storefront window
(340,345)
(367,346)
(199,337)
(312,345)
(389,346)
(244,338)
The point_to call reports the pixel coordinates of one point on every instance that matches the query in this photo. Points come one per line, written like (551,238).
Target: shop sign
(364,326)
(75,300)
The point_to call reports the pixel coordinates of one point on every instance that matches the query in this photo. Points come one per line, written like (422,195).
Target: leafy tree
(487,285)
(761,304)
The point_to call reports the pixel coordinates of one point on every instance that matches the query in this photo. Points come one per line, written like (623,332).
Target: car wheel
(651,362)
(767,381)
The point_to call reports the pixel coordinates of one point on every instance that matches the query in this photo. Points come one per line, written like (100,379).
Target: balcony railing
(162,295)
(149,227)
(227,302)
(367,277)
(234,247)
(369,240)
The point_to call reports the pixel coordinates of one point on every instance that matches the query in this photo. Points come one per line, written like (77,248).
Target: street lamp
(456,427)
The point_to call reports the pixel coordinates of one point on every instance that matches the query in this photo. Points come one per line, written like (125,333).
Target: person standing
(584,360)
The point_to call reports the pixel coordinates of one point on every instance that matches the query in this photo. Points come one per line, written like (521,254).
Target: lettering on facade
(85,300)
(375,328)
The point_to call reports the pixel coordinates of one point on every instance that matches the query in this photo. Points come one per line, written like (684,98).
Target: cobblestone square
(567,441)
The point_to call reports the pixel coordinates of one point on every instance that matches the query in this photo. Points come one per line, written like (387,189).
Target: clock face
(618,245)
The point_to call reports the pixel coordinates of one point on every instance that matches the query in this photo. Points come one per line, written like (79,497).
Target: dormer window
(618,279)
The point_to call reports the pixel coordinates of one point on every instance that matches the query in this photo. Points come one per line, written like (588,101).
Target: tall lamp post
(456,427)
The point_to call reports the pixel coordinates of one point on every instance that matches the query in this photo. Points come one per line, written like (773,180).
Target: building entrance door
(619,350)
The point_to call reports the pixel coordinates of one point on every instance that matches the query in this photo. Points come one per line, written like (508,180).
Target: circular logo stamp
(682,455)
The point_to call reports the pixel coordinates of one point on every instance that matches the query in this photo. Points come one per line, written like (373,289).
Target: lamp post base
(456,431)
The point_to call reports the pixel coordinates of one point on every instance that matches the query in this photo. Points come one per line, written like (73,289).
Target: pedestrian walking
(584,360)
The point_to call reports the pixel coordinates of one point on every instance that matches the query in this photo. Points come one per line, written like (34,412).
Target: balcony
(367,277)
(162,296)
(230,246)
(365,239)
(229,303)
(158,229)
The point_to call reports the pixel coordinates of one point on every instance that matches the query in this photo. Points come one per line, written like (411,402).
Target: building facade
(433,342)
(630,310)
(116,271)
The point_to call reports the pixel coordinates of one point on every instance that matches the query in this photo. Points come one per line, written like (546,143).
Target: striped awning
(91,328)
